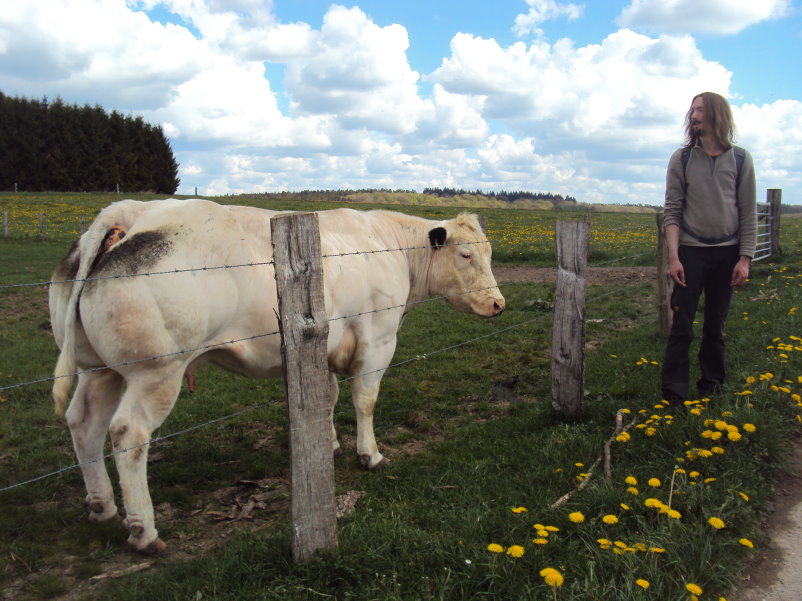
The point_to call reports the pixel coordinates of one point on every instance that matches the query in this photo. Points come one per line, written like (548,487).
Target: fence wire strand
(245,339)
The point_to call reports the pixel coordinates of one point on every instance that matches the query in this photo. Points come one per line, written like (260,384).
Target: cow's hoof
(381,465)
(367,462)
(100,512)
(153,548)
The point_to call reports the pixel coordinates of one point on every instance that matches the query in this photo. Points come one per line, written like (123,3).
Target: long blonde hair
(718,119)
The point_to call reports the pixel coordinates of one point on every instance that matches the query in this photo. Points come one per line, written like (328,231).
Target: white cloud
(719,17)
(57,49)
(253,104)
(582,93)
(773,135)
(359,72)
(541,11)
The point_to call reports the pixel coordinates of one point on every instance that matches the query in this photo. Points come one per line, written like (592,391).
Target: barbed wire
(144,444)
(217,267)
(245,410)
(245,339)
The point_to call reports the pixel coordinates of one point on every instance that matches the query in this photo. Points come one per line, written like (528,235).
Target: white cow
(117,322)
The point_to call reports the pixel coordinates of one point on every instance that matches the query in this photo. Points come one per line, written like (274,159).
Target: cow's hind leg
(88,416)
(147,401)
(365,390)
(334,392)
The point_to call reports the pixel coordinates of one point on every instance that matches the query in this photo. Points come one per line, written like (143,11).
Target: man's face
(698,115)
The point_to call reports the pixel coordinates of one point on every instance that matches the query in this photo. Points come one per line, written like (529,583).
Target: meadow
(469,507)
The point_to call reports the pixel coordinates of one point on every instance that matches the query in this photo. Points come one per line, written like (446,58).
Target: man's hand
(676,271)
(740,272)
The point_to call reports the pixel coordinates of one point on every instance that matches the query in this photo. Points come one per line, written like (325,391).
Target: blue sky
(576,98)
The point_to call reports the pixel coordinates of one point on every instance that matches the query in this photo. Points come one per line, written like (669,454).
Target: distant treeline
(51,146)
(503,195)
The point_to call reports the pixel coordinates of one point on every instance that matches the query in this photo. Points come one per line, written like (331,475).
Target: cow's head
(461,267)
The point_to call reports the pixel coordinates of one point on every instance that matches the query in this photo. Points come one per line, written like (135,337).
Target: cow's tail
(66,366)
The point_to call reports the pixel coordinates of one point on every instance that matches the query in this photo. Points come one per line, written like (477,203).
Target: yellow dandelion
(744,496)
(494,548)
(656,550)
(603,541)
(717,523)
(624,506)
(610,519)
(540,541)
(750,427)
(631,480)
(746,543)
(623,437)
(674,514)
(539,527)
(734,436)
(576,517)
(552,577)
(693,589)
(632,490)
(515,551)
(519,510)
(552,528)
(644,584)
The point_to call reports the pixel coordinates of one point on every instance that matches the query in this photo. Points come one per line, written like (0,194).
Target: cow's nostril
(497,308)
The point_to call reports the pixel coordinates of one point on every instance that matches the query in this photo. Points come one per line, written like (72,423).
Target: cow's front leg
(365,390)
(94,402)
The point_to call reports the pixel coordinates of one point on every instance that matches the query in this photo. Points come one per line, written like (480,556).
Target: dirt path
(776,572)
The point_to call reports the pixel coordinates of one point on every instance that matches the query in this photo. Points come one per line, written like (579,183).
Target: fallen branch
(605,454)
(122,572)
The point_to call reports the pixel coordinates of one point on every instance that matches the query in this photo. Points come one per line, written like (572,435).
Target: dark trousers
(707,270)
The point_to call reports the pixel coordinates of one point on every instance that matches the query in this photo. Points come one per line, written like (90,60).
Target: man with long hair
(710,230)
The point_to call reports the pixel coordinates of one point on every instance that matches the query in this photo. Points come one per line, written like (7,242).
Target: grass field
(465,509)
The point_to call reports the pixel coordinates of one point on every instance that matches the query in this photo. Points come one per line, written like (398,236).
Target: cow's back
(189,274)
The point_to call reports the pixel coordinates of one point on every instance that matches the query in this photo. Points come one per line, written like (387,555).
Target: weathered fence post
(664,283)
(568,340)
(83,225)
(774,198)
(304,334)
(41,225)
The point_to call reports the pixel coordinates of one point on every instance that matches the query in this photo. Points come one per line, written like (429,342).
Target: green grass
(423,527)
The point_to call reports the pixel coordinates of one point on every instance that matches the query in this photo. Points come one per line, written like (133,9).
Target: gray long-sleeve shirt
(712,206)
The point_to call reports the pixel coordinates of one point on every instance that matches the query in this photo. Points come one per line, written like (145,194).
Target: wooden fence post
(568,340)
(304,334)
(82,228)
(774,198)
(664,283)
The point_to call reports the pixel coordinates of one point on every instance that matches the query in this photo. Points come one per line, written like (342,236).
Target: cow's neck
(421,263)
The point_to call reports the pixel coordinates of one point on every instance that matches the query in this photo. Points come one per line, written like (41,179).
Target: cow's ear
(437,237)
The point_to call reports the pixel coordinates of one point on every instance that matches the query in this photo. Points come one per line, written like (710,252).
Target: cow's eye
(467,256)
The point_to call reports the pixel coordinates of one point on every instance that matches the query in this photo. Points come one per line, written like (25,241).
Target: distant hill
(461,198)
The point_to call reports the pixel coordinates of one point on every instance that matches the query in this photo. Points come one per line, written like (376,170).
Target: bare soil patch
(595,276)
